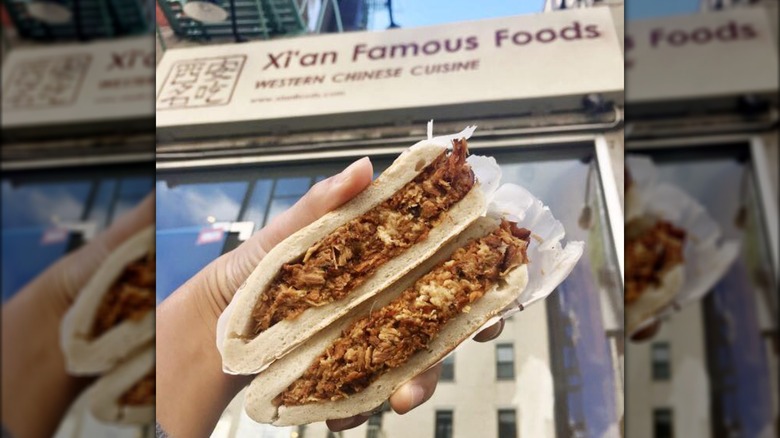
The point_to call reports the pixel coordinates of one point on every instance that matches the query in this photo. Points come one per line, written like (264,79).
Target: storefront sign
(704,55)
(77,83)
(219,90)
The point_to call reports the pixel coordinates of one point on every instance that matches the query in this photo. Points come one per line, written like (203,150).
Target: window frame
(513,411)
(759,161)
(669,413)
(661,371)
(448,369)
(438,413)
(499,375)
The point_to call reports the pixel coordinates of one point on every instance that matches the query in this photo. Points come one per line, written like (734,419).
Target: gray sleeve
(6,433)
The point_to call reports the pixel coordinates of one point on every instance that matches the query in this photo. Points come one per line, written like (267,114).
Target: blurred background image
(701,103)
(246,148)
(77,153)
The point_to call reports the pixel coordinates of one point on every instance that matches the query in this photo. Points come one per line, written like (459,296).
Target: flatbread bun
(86,356)
(268,384)
(105,393)
(242,356)
(653,299)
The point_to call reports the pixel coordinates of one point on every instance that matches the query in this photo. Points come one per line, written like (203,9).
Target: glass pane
(507,426)
(100,213)
(34,203)
(198,204)
(725,331)
(180,256)
(31,204)
(660,352)
(25,255)
(258,203)
(505,353)
(580,322)
(584,315)
(131,192)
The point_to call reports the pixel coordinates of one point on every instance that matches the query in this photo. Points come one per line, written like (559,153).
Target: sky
(412,13)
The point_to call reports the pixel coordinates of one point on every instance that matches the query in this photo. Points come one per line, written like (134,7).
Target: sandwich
(654,252)
(126,394)
(113,316)
(357,362)
(427,197)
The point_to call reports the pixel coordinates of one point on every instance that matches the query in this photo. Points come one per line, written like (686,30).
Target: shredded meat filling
(343,260)
(391,335)
(142,393)
(652,249)
(130,297)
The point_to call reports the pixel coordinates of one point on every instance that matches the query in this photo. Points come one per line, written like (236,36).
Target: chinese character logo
(45,82)
(199,83)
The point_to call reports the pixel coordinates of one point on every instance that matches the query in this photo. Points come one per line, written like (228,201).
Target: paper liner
(706,257)
(550,263)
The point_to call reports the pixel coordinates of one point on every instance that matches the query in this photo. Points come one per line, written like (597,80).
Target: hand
(37,390)
(416,391)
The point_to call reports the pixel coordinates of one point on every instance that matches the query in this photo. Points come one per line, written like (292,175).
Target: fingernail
(345,174)
(416,394)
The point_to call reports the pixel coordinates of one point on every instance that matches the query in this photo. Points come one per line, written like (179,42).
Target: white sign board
(224,89)
(79,83)
(703,55)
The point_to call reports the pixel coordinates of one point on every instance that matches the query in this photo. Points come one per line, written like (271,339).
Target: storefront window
(507,423)
(740,311)
(662,369)
(663,426)
(45,216)
(443,424)
(505,362)
(584,317)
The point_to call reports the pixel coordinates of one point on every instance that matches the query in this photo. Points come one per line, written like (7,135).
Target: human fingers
(416,391)
(491,332)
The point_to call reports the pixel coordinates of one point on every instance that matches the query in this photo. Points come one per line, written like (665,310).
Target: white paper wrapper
(706,258)
(549,261)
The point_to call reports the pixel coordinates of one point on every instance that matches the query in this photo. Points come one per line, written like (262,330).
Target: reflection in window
(286,192)
(257,208)
(507,423)
(505,361)
(662,367)
(663,426)
(448,368)
(443,424)
(578,336)
(42,219)
(738,357)
(198,204)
